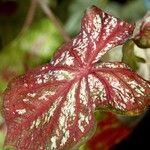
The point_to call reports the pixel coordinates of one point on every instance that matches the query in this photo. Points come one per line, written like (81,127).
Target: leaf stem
(44,6)
(30,16)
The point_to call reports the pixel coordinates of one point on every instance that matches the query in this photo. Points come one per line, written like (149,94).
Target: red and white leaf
(52,106)
(55,113)
(118,88)
(99,33)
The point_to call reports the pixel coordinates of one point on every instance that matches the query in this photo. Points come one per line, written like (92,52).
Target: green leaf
(129,56)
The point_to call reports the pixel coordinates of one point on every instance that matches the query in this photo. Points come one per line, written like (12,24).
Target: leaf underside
(52,106)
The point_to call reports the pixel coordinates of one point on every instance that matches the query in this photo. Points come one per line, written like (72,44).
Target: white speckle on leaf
(53,145)
(46,94)
(87,120)
(137,87)
(68,108)
(112,65)
(82,118)
(65,138)
(97,25)
(121,23)
(88,27)
(110,23)
(81,46)
(39,81)
(122,105)
(21,111)
(57,133)
(121,91)
(83,92)
(61,121)
(45,78)
(46,116)
(37,123)
(74,42)
(84,35)
(97,89)
(61,74)
(67,113)
(65,59)
(25,100)
(117,105)
(44,67)
(69,60)
(58,60)
(25,84)
(32,125)
(102,52)
(97,21)
(31,94)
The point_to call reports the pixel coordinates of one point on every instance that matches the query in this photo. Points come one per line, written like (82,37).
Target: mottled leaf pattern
(114,85)
(52,106)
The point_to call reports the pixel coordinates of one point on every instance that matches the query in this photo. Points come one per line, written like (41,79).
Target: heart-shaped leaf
(52,106)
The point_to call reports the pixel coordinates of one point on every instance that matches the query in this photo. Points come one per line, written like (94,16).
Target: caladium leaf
(52,106)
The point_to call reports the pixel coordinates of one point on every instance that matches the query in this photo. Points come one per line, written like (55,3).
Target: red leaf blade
(115,86)
(53,116)
(105,32)
(99,33)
